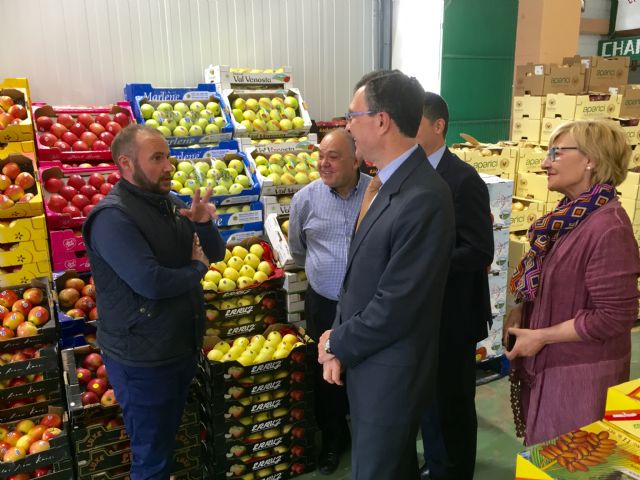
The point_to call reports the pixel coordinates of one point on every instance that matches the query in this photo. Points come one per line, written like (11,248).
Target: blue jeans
(152,401)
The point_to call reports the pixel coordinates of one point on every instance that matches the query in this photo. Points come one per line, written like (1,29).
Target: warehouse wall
(84,51)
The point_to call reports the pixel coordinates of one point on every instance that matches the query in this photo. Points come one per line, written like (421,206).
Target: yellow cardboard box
(635,157)
(525,129)
(524,212)
(23,229)
(16,147)
(623,407)
(578,107)
(629,205)
(18,90)
(21,253)
(530,157)
(630,104)
(534,186)
(630,188)
(493,159)
(528,106)
(598,450)
(24,273)
(631,128)
(548,126)
(34,206)
(518,247)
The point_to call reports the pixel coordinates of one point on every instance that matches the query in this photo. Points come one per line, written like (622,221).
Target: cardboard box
(543,79)
(500,250)
(239,214)
(525,129)
(18,90)
(241,131)
(630,187)
(229,77)
(548,126)
(243,232)
(23,229)
(498,292)
(623,407)
(598,450)
(518,247)
(279,242)
(280,145)
(295,282)
(277,205)
(582,107)
(21,253)
(32,208)
(17,147)
(630,104)
(528,106)
(491,347)
(635,157)
(629,205)
(602,73)
(295,303)
(534,186)
(631,128)
(500,193)
(530,157)
(493,159)
(326,127)
(524,212)
(140,93)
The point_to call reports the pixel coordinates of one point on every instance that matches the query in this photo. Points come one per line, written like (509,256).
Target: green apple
(243,180)
(277,102)
(261,160)
(197,107)
(175,116)
(219,164)
(275,115)
(302,167)
(186,191)
(301,178)
(185,122)
(274,336)
(274,178)
(290,113)
(170,124)
(225,181)
(290,160)
(146,109)
(247,125)
(213,276)
(180,131)
(259,125)
(202,123)
(181,176)
(263,170)
(291,102)
(265,103)
(231,274)
(165,108)
(236,189)
(276,159)
(159,116)
(211,183)
(220,190)
(237,114)
(232,172)
(233,209)
(276,169)
(181,107)
(263,115)
(152,123)
(202,167)
(314,175)
(273,126)
(260,277)
(237,165)
(278,140)
(215,355)
(287,179)
(239,103)
(220,122)
(211,129)
(192,184)
(249,115)
(176,186)
(184,166)
(298,123)
(213,107)
(195,131)
(240,252)
(252,104)
(285,124)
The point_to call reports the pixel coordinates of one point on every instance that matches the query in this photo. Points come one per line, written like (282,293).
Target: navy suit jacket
(387,324)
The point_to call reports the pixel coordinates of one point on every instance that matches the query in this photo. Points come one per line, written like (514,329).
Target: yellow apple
(247,271)
(212,276)
(226,285)
(215,355)
(230,274)
(260,277)
(265,268)
(244,282)
(236,263)
(239,251)
(252,260)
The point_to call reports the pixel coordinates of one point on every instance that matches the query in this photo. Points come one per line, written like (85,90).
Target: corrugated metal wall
(84,51)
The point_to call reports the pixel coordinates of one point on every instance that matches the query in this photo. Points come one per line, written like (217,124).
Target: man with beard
(148,253)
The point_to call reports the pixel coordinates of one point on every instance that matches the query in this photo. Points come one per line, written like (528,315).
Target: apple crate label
(275,476)
(242,329)
(290,190)
(266,367)
(270,405)
(273,442)
(253,78)
(158,95)
(239,311)
(269,424)
(95,463)
(198,95)
(267,387)
(269,462)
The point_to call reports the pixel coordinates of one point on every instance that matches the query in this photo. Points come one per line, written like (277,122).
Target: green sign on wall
(620,47)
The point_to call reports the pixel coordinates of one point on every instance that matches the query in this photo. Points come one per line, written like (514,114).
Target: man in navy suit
(386,331)
(449,426)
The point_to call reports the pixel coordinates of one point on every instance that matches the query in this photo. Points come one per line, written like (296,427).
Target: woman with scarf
(569,336)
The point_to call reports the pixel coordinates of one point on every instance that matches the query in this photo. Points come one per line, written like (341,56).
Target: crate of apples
(24,312)
(78,134)
(76,297)
(20,194)
(92,375)
(15,118)
(70,197)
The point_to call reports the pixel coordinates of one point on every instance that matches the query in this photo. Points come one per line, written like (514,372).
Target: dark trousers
(152,401)
(332,405)
(450,425)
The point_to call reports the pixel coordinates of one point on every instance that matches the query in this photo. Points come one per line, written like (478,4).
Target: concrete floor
(497,443)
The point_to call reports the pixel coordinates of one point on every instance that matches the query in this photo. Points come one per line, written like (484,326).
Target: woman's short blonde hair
(604,143)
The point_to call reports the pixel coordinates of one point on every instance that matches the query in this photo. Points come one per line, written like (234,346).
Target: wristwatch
(327,346)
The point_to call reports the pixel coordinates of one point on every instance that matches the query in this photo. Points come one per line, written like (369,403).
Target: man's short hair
(396,94)
(434,107)
(125,142)
(348,138)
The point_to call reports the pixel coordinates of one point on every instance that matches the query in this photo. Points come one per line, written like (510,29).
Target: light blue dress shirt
(435,157)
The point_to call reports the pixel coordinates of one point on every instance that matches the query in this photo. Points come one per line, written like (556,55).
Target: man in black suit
(387,322)
(449,425)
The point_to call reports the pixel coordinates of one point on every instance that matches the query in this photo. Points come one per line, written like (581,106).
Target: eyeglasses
(553,152)
(349,115)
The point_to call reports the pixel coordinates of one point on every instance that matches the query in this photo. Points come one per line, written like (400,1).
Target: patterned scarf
(545,231)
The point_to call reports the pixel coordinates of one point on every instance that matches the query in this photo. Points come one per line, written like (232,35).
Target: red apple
(75,313)
(96,180)
(6,119)
(80,201)
(51,420)
(92,361)
(38,316)
(95,199)
(12,320)
(4,182)
(103,119)
(297,395)
(85,119)
(72,210)
(27,197)
(6,102)
(18,111)
(50,433)
(43,124)
(108,398)
(88,138)
(88,190)
(11,170)
(8,298)
(17,382)
(6,333)
(297,468)
(39,446)
(297,432)
(89,290)
(53,185)
(69,138)
(76,181)
(87,210)
(297,414)
(34,295)
(56,203)
(113,128)
(65,119)
(114,423)
(48,139)
(21,305)
(86,304)
(14,192)
(25,180)
(99,145)
(41,471)
(105,188)
(62,146)
(78,128)
(84,375)
(122,118)
(58,129)
(98,386)
(79,146)
(93,314)
(97,128)
(297,450)
(297,377)
(68,192)
(89,398)
(101,372)
(113,178)
(27,329)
